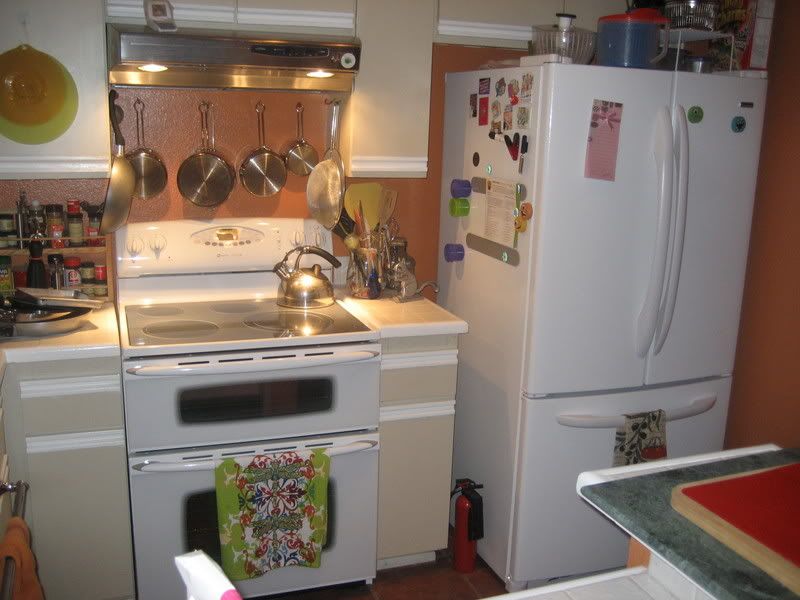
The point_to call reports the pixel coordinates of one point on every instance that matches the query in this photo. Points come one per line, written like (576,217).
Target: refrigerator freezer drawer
(555,532)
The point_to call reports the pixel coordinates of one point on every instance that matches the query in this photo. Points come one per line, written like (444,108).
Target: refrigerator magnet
(500,87)
(513,89)
(523,117)
(495,110)
(526,88)
(483,110)
(508,117)
(473,105)
(484,84)
(602,144)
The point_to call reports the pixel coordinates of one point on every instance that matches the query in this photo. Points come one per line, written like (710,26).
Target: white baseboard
(404,561)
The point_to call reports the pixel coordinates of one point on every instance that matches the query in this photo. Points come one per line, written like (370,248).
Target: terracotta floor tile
(484,581)
(430,582)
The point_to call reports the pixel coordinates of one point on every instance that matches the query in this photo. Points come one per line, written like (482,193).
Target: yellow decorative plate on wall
(38,96)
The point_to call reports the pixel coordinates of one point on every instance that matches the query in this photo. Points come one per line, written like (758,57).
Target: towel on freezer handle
(272,511)
(642,438)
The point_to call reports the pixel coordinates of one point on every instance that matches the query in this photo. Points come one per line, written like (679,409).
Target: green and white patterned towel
(272,511)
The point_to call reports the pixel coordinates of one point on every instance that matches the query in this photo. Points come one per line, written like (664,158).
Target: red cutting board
(756,514)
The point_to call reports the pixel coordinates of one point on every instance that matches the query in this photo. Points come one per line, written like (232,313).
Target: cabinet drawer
(422,343)
(414,503)
(80,521)
(71,404)
(413,377)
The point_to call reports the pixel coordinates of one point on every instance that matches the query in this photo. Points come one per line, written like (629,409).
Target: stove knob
(134,246)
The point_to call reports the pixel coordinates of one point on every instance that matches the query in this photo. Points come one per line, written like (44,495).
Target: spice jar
(100,281)
(75,229)
(72,272)
(93,230)
(87,277)
(73,207)
(8,229)
(55,264)
(54,219)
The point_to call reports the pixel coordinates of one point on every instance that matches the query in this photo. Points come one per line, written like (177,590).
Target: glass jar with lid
(72,272)
(54,218)
(75,229)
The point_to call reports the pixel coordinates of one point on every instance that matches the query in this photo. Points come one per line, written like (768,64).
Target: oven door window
(201,529)
(257,400)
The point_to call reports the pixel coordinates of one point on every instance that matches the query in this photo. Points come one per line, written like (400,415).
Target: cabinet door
(312,16)
(386,123)
(414,503)
(80,517)
(73,33)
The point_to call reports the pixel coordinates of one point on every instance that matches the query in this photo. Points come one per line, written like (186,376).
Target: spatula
(364,198)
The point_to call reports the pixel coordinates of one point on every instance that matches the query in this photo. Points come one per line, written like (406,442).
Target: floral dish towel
(643,438)
(272,511)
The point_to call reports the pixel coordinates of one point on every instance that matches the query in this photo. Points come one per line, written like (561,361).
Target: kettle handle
(314,250)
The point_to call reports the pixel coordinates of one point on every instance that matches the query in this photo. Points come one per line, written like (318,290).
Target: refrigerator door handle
(663,152)
(682,156)
(696,407)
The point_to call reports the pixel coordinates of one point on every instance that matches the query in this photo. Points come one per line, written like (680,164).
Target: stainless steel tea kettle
(305,288)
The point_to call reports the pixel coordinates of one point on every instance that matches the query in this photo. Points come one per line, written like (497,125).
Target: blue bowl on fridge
(632,39)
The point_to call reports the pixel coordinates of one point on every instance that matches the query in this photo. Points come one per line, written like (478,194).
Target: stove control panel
(213,246)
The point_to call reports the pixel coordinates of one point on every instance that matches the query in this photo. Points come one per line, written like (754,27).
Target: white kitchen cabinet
(385,130)
(507,23)
(418,384)
(64,430)
(73,33)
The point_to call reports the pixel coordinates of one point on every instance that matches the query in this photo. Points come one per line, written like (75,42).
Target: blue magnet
(453,252)
(460,188)
(738,124)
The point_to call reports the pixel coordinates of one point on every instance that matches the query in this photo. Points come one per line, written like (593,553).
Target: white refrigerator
(621,295)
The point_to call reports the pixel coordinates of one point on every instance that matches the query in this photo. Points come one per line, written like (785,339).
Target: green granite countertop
(641,506)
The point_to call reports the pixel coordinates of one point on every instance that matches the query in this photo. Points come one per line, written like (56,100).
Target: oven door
(174,511)
(180,402)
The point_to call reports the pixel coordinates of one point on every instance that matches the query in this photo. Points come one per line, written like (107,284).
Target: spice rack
(102,254)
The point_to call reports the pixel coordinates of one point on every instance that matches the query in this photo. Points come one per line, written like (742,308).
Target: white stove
(213,367)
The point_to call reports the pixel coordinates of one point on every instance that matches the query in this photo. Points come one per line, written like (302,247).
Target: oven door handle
(251,366)
(154,466)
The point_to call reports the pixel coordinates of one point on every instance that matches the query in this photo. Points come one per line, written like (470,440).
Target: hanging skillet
(204,178)
(151,174)
(263,172)
(325,187)
(301,157)
(122,181)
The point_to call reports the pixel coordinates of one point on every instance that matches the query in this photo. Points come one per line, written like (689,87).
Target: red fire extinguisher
(469,524)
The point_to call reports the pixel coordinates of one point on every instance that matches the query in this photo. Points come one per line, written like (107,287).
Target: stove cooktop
(233,321)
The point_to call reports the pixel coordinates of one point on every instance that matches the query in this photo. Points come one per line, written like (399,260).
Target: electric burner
(180,329)
(289,324)
(158,311)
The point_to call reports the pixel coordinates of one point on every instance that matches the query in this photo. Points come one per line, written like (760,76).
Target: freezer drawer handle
(252,366)
(697,407)
(154,466)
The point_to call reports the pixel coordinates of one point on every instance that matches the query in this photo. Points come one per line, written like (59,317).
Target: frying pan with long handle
(263,172)
(301,157)
(122,181)
(325,187)
(151,174)
(205,178)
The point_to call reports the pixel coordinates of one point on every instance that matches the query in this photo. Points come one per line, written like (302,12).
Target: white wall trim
(397,166)
(413,360)
(125,8)
(70,386)
(422,410)
(404,561)
(296,18)
(32,167)
(75,441)
(472,29)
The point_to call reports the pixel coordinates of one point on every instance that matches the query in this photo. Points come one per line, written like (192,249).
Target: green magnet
(504,256)
(488,169)
(738,124)
(695,114)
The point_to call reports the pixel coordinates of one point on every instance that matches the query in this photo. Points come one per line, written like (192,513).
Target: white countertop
(98,338)
(403,319)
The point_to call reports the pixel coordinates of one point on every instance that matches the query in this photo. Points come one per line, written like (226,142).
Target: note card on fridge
(603,141)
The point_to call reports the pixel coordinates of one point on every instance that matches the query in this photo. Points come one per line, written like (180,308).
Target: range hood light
(320,74)
(152,68)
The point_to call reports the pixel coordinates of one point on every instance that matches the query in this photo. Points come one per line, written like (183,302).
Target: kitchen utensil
(122,181)
(39,323)
(305,288)
(325,187)
(388,203)
(632,39)
(263,172)
(205,178)
(365,198)
(301,157)
(151,174)
(55,299)
(692,14)
(565,40)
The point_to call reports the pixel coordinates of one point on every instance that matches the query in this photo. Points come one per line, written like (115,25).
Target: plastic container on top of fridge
(632,39)
(564,40)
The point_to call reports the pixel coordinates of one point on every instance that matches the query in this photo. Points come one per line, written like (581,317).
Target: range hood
(145,58)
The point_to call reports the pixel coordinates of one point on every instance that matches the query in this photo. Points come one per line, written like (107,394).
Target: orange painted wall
(765,402)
